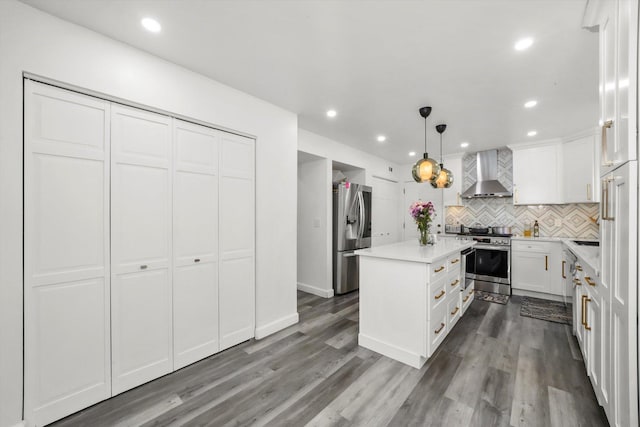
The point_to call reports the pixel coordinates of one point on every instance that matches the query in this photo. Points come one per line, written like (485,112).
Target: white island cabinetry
(410,298)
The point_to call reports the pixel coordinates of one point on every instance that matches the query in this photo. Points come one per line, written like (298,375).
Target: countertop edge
(385,252)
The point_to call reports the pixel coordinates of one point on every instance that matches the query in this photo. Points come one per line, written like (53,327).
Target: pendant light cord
(425,135)
(440,150)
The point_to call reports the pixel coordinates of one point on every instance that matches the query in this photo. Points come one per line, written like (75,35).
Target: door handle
(453,313)
(589,281)
(563,264)
(437,331)
(583,320)
(606,125)
(586,321)
(546,262)
(440,295)
(588,191)
(361,215)
(143,267)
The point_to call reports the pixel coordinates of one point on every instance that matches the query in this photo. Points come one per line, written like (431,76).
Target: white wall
(314,224)
(376,172)
(34,42)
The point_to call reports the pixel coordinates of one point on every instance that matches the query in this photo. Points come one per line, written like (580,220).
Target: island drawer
(466,297)
(438,293)
(454,262)
(453,282)
(437,269)
(437,328)
(454,311)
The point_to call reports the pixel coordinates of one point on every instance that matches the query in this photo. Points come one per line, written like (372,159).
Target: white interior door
(195,239)
(413,192)
(237,240)
(142,344)
(385,211)
(66,252)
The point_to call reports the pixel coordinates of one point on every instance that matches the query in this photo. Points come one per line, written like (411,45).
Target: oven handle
(495,248)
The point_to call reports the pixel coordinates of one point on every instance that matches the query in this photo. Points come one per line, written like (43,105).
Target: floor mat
(551,311)
(491,297)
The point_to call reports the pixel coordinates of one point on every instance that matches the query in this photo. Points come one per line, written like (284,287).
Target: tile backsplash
(571,220)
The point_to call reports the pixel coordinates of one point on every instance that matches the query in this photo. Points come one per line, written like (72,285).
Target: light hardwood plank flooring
(495,368)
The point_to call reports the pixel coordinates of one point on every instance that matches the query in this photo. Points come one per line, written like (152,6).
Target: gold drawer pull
(455,282)
(437,331)
(440,294)
(455,261)
(438,270)
(578,267)
(584,322)
(546,262)
(589,281)
(453,313)
(466,298)
(577,282)
(563,263)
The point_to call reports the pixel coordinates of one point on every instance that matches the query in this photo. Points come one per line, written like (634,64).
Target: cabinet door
(195,243)
(593,326)
(619,270)
(579,171)
(531,185)
(237,240)
(529,271)
(66,252)
(141,247)
(577,308)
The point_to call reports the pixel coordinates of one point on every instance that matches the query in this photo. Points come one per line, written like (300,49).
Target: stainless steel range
(490,264)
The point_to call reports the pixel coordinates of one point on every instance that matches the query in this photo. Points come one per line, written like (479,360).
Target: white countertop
(412,251)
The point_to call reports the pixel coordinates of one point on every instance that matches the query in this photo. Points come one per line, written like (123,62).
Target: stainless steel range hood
(487,184)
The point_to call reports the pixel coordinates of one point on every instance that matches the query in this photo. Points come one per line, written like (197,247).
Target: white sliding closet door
(237,240)
(66,252)
(142,343)
(195,239)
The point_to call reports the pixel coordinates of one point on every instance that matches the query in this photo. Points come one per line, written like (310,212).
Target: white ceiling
(377,62)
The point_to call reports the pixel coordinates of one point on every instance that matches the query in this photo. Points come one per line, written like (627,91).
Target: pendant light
(425,169)
(445,177)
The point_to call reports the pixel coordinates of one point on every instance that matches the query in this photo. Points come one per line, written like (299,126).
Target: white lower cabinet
(139,247)
(536,266)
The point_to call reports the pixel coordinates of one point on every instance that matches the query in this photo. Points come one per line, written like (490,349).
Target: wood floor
(495,368)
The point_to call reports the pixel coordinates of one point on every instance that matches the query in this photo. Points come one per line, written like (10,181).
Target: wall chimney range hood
(487,184)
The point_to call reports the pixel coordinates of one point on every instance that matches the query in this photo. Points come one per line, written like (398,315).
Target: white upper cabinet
(537,179)
(579,171)
(66,253)
(452,196)
(618,26)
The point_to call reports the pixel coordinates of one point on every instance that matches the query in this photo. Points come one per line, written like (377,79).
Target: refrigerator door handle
(361,215)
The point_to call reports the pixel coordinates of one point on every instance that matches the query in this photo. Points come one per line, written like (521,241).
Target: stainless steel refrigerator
(351,231)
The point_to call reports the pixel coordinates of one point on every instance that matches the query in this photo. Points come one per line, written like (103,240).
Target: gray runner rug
(551,311)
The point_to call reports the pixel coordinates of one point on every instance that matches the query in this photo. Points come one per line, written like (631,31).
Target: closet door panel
(66,252)
(195,216)
(141,345)
(195,230)
(236,301)
(196,312)
(237,240)
(143,216)
(142,340)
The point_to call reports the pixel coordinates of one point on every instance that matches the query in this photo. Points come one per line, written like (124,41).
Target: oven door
(468,266)
(493,264)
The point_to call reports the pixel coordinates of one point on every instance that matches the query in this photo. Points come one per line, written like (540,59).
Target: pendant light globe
(445,177)
(425,169)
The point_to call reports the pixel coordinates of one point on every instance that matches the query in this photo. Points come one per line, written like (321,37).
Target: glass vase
(424,237)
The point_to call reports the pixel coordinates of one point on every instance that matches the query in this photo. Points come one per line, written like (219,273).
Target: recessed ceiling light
(530,104)
(412,153)
(532,133)
(523,44)
(151,25)
(464,145)
(332,113)
(381,138)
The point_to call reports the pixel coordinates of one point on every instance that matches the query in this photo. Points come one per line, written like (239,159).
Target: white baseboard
(275,326)
(324,293)
(541,295)
(396,353)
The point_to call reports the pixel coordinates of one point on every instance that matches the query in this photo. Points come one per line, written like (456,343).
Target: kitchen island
(410,297)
